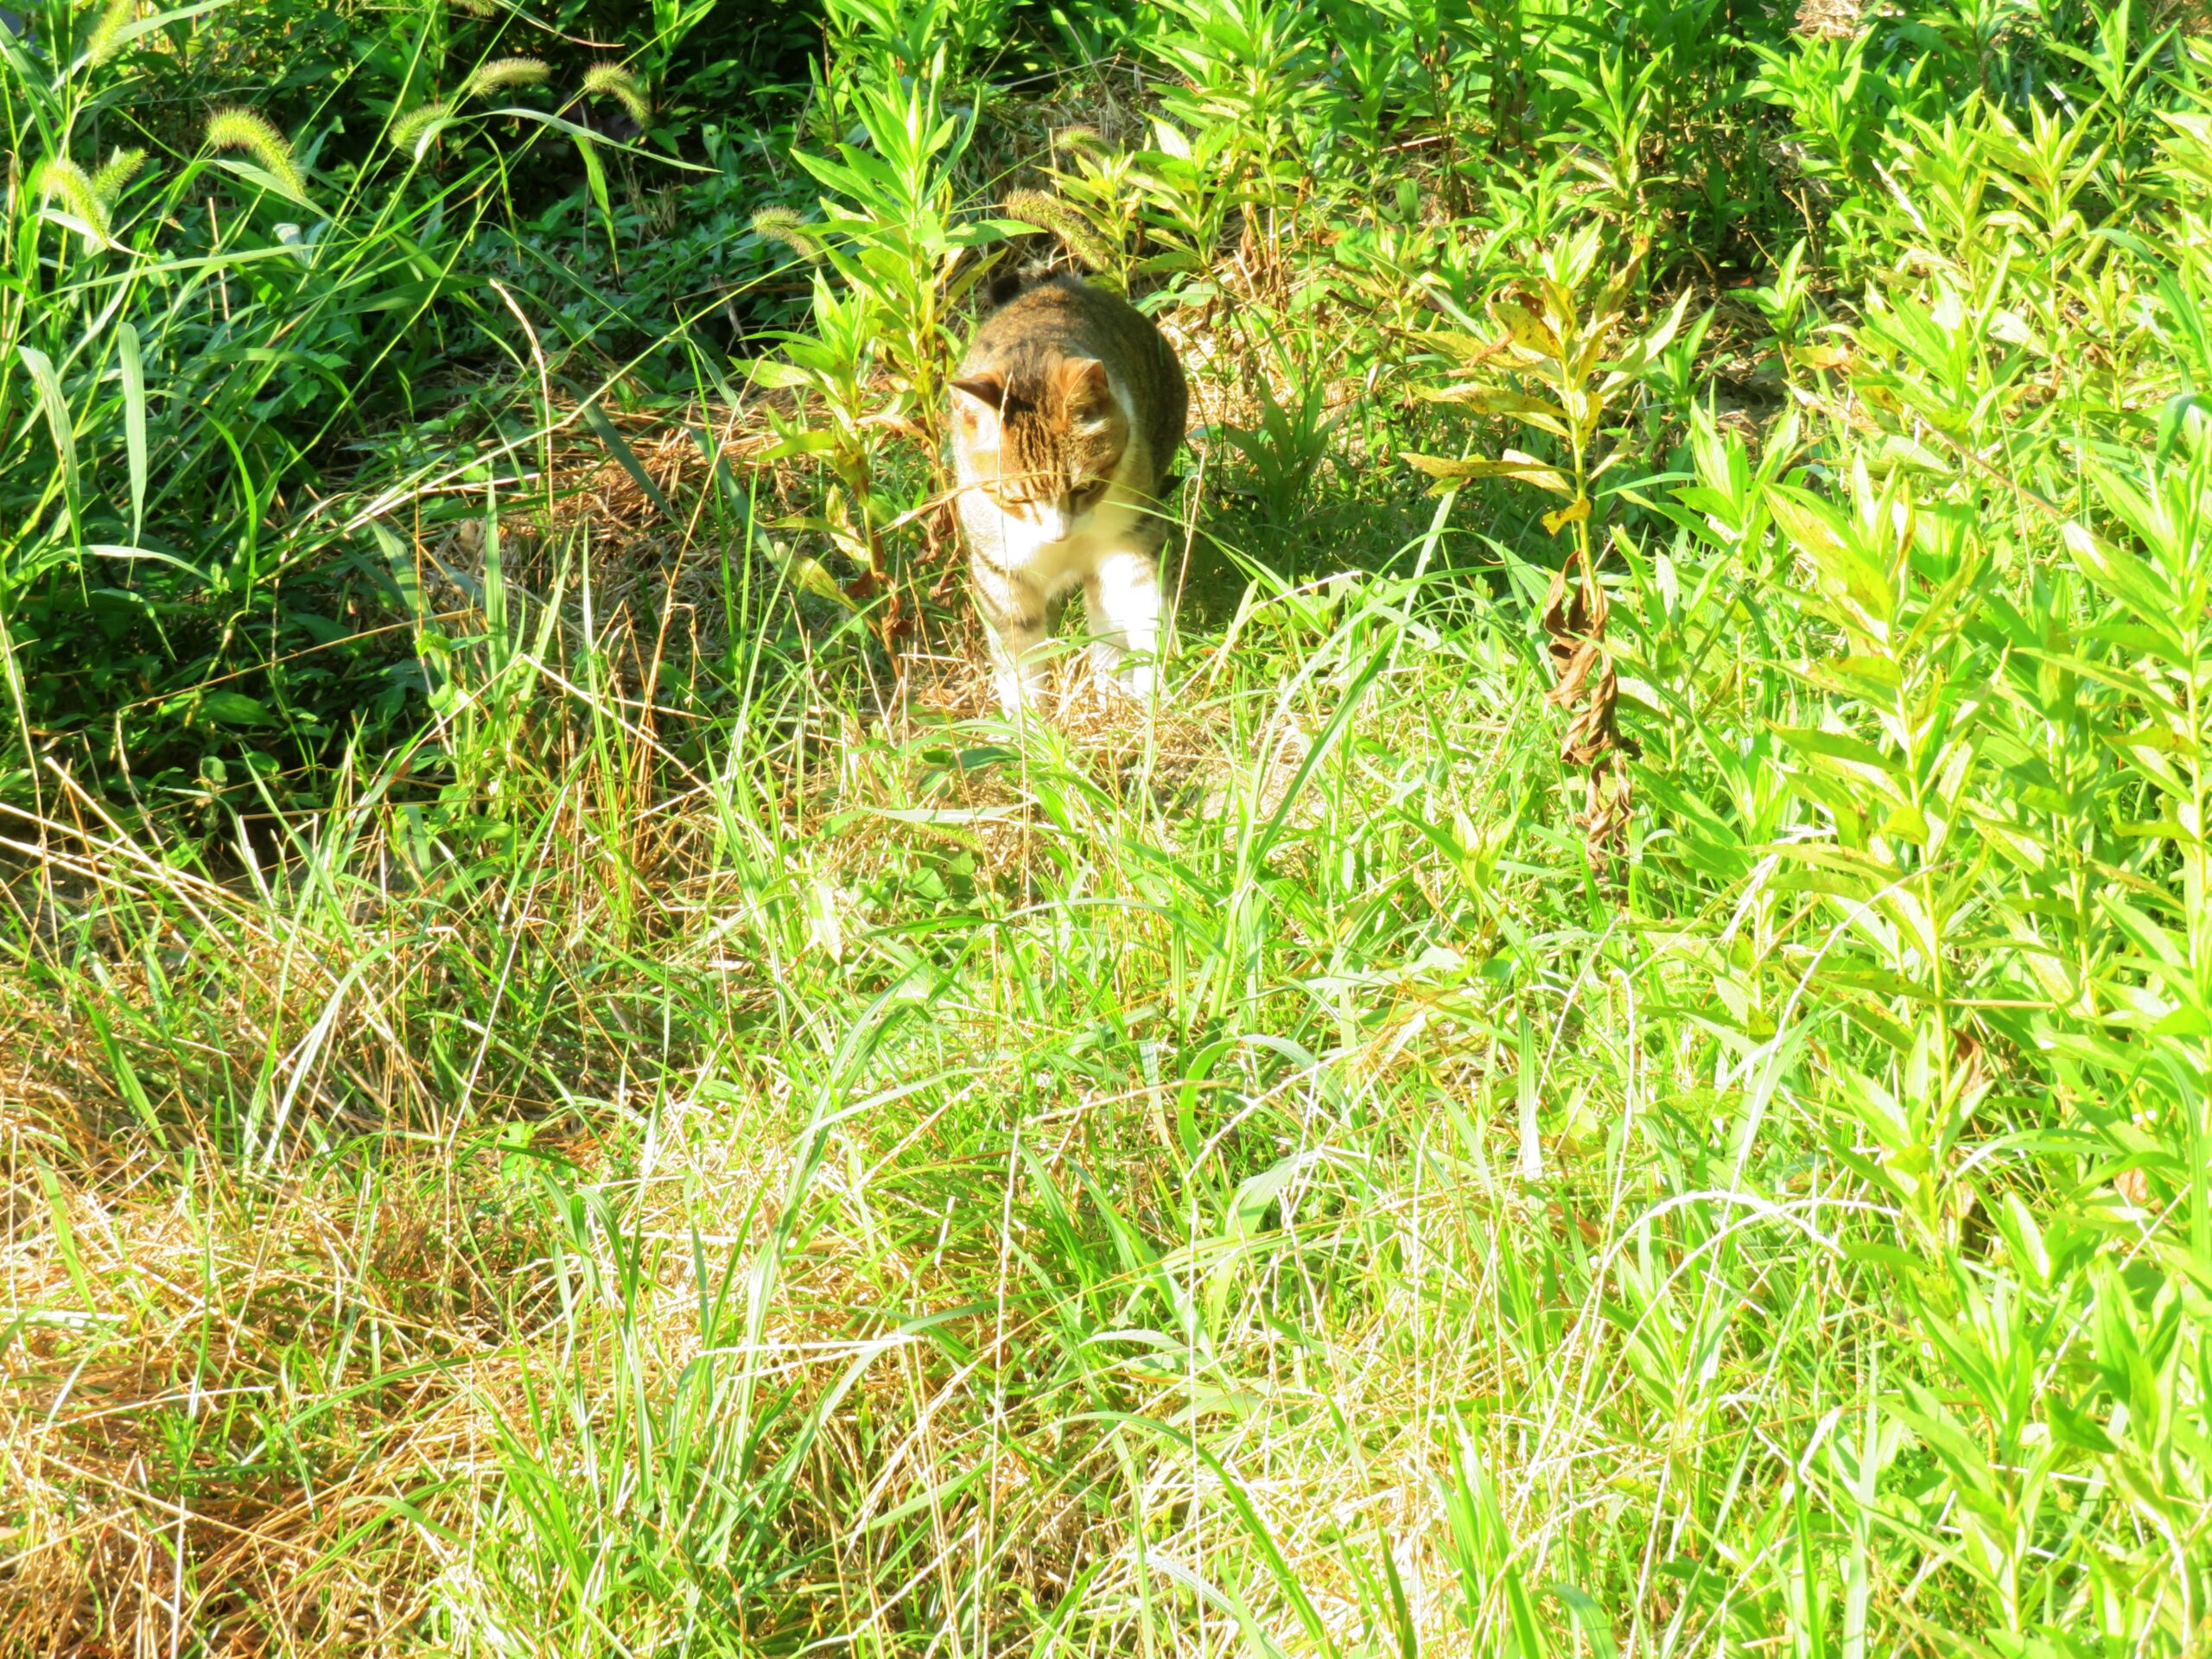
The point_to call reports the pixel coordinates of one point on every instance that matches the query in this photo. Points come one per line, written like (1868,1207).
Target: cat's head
(1041,442)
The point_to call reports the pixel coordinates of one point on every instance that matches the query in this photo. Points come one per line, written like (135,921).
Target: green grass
(678,1130)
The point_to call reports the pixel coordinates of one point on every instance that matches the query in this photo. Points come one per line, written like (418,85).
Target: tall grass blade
(134,420)
(60,424)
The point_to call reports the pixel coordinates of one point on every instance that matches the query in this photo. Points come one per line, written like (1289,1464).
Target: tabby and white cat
(1065,413)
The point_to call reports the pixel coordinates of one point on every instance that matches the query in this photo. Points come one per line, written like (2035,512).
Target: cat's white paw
(1121,683)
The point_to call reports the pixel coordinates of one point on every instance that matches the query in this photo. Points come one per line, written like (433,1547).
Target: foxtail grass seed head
(782,225)
(104,41)
(61,177)
(407,132)
(249,131)
(502,73)
(1075,232)
(611,80)
(121,167)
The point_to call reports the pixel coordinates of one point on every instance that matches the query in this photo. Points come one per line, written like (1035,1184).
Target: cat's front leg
(1122,597)
(1014,616)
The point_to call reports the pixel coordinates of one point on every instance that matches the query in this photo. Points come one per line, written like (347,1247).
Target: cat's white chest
(1021,546)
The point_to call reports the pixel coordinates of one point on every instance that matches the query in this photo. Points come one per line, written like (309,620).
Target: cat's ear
(988,389)
(1084,390)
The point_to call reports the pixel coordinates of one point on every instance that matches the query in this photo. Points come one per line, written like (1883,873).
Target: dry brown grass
(1836,18)
(139,1523)
(230,1370)
(200,1445)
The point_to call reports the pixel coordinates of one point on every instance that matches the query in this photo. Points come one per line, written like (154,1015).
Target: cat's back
(1062,317)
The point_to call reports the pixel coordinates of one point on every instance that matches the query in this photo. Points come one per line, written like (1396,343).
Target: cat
(1066,411)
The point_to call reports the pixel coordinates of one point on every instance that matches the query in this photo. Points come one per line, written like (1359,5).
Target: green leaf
(116,551)
(2121,574)
(236,709)
(595,176)
(58,422)
(1812,740)
(1583,1608)
(595,418)
(1820,532)
(811,575)
(1660,338)
(1942,1433)
(775,374)
(518,112)
(2076,1428)
(254,174)
(401,562)
(145,26)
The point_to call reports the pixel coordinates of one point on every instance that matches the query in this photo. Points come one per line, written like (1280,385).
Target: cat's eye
(1088,490)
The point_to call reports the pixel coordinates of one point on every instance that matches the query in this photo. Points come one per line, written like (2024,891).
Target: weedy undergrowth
(668,1150)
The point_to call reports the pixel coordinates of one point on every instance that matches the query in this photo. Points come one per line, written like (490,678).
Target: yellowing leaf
(1523,318)
(1468,348)
(1500,400)
(1573,513)
(1513,464)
